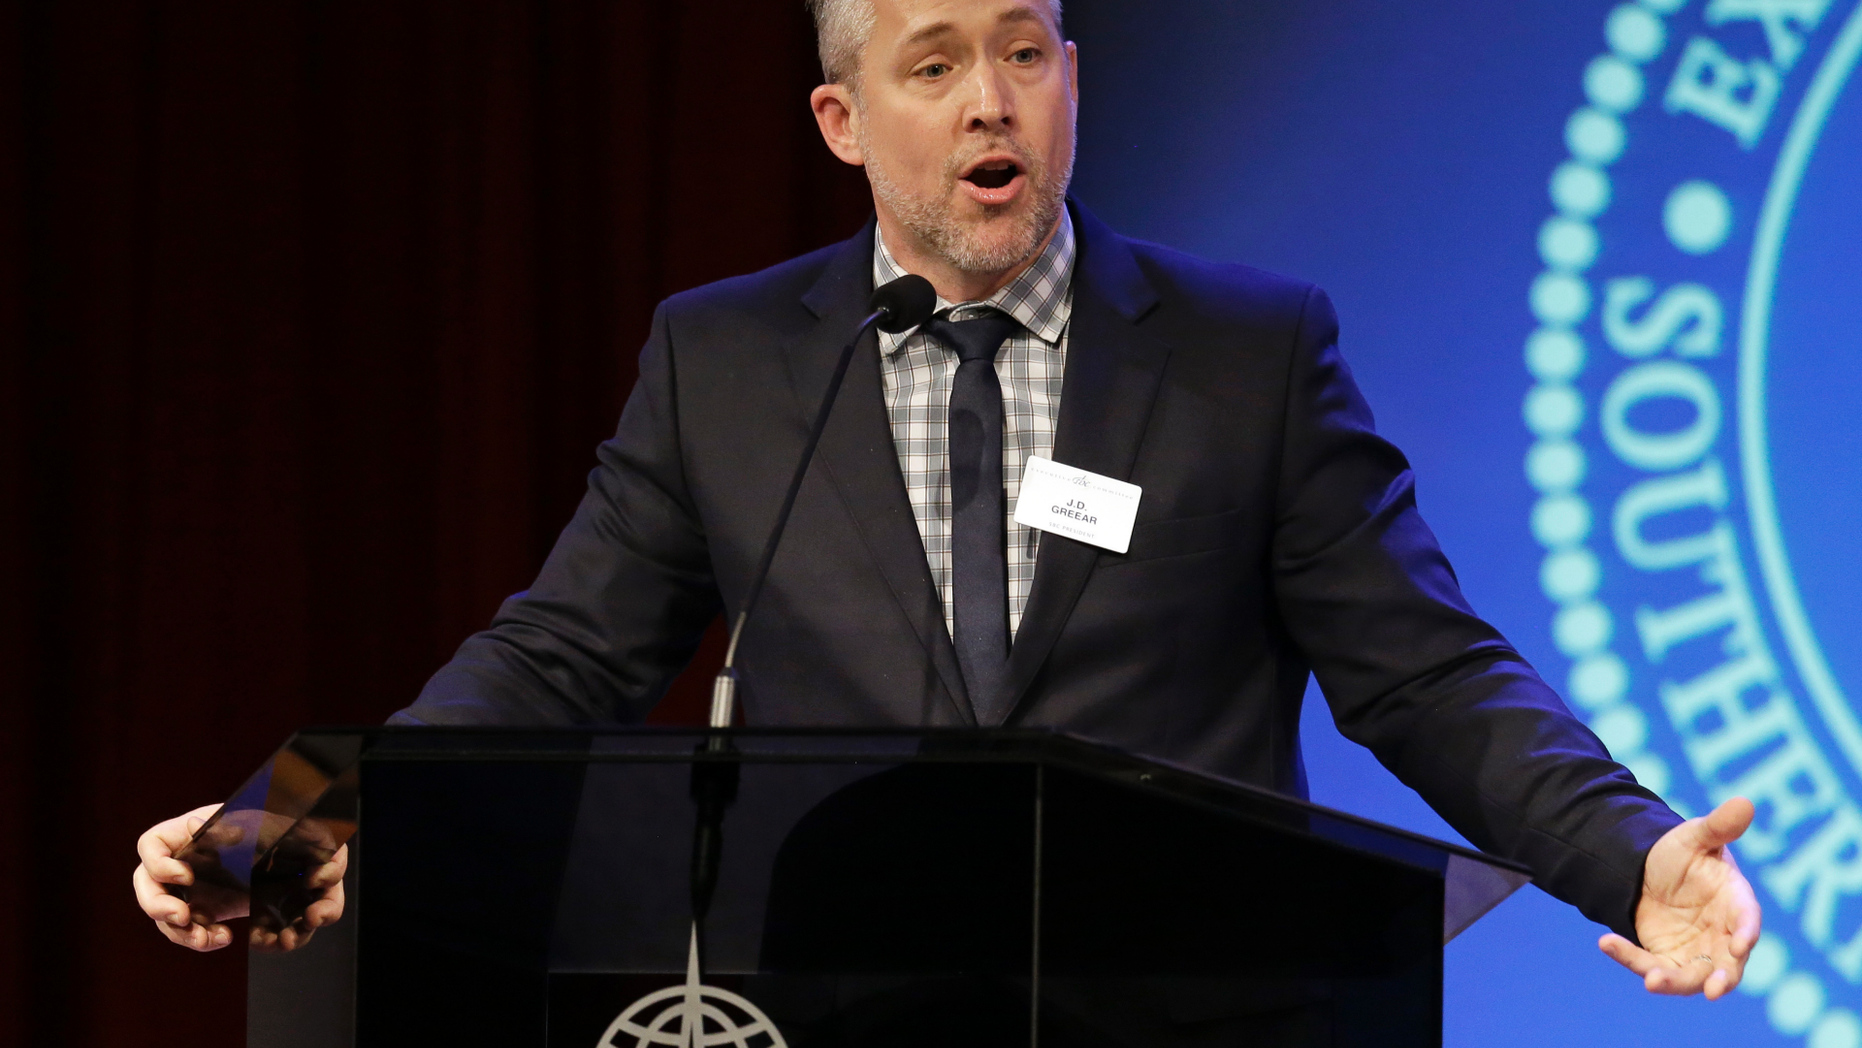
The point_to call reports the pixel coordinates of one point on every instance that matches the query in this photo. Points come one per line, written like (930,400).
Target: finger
(1723,825)
(291,937)
(202,938)
(327,910)
(1658,974)
(156,849)
(191,936)
(1748,921)
(275,940)
(1678,981)
(1679,978)
(1710,972)
(329,873)
(158,844)
(1628,954)
(156,902)
(1727,977)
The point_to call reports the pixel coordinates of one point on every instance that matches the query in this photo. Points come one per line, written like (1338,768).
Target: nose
(990,108)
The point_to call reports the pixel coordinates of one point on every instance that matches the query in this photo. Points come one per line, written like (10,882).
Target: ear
(1073,68)
(838,118)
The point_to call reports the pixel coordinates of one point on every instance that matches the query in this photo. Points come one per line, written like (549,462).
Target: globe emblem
(1696,457)
(692,1016)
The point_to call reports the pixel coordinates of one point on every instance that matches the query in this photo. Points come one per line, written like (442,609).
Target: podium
(904,888)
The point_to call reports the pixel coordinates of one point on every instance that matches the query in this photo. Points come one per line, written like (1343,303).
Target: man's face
(965,113)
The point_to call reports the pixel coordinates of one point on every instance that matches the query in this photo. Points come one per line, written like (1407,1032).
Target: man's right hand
(181,924)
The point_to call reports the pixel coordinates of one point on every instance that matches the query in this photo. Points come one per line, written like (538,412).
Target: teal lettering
(1662,630)
(1786,22)
(1687,316)
(1730,94)
(1718,697)
(1661,380)
(1823,870)
(1704,487)
(1791,785)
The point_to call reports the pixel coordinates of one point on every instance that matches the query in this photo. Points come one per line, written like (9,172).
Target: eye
(934,71)
(1025,56)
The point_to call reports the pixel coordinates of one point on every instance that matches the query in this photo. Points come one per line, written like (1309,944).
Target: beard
(1003,238)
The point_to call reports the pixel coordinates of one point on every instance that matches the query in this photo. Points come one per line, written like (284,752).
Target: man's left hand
(1698,918)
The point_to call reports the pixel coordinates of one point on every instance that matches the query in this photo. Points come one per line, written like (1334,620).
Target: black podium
(890,889)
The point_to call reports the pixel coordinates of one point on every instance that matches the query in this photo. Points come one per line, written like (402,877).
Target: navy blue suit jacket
(1277,535)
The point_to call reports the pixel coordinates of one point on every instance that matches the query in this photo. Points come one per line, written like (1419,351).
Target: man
(1276,534)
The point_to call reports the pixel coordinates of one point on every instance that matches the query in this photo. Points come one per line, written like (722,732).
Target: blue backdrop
(1599,268)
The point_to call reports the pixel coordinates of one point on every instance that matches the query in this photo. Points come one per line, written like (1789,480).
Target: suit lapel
(1112,375)
(859,455)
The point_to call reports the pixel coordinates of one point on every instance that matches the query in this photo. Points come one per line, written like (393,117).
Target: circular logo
(1696,451)
(692,1016)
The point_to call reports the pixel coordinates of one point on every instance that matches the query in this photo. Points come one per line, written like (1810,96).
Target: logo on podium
(1694,448)
(692,1016)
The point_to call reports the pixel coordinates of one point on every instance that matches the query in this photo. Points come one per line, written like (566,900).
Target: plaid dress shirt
(916,372)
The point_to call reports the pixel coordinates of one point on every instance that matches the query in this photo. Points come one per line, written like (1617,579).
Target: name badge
(1068,501)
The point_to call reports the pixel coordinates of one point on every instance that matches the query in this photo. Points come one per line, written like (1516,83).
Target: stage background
(1403,157)
(324,305)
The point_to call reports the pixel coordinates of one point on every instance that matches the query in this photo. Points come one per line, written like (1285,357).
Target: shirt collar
(1041,298)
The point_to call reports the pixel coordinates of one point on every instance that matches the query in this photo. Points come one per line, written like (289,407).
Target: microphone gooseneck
(897,306)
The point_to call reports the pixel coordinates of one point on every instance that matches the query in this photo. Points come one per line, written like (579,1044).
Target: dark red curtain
(313,313)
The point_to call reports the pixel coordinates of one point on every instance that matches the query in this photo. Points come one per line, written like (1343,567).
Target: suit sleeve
(1409,671)
(622,600)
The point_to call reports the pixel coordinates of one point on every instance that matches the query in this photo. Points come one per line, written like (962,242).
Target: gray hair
(842,29)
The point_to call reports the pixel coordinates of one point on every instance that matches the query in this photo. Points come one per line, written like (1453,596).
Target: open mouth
(993,174)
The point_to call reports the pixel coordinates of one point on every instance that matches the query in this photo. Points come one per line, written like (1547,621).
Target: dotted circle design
(1697,218)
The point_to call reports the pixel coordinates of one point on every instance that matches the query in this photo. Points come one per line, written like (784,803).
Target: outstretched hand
(1698,918)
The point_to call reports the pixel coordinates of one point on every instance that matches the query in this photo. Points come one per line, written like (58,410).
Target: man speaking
(1258,529)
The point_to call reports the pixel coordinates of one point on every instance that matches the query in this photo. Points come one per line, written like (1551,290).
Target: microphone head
(907,302)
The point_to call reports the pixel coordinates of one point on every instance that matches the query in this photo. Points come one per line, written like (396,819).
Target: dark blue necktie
(978,552)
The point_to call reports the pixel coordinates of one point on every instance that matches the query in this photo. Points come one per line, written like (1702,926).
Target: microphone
(897,306)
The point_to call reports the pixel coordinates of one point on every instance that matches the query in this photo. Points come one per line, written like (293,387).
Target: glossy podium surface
(1005,887)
